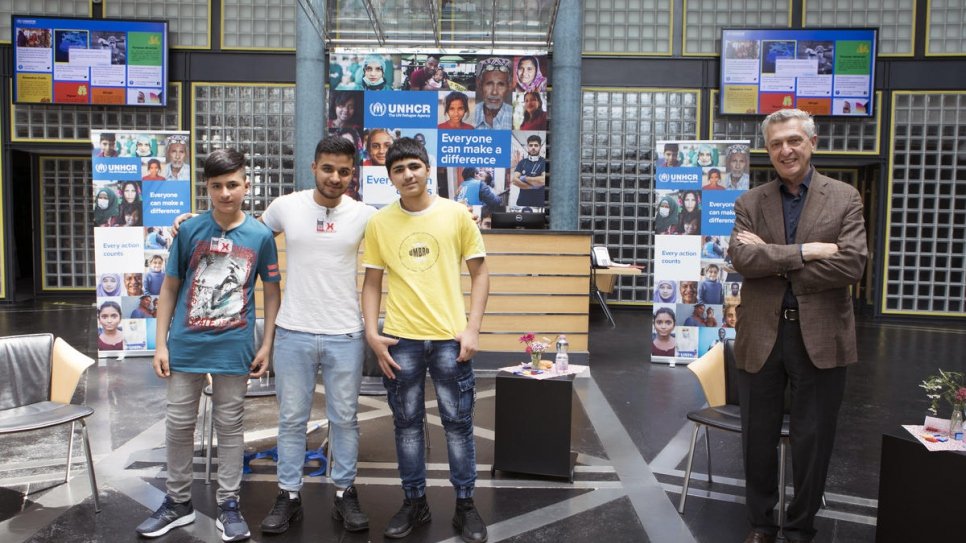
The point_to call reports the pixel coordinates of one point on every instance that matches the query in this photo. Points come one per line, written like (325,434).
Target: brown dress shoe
(759,537)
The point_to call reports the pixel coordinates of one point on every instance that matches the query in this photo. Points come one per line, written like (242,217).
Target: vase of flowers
(534,348)
(951,387)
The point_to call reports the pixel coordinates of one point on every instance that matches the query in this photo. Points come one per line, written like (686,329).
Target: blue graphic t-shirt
(214,319)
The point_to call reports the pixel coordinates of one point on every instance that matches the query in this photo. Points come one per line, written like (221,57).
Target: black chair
(38,376)
(718,374)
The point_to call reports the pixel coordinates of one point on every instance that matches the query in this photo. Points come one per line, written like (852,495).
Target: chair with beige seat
(717,373)
(38,377)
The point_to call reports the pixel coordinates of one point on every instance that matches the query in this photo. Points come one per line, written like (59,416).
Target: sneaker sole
(349,527)
(177,523)
(226,537)
(284,527)
(416,524)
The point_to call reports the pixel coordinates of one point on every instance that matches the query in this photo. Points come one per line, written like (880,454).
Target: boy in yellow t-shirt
(422,240)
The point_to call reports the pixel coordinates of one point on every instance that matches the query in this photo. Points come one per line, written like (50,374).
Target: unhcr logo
(377,109)
(664,177)
(100,168)
(123,168)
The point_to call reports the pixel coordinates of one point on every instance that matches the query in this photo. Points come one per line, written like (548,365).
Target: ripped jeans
(456,394)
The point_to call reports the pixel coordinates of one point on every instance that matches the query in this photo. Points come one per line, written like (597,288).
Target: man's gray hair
(782,115)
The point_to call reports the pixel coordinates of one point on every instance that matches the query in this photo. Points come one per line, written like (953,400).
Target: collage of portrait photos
(696,289)
(483,120)
(141,182)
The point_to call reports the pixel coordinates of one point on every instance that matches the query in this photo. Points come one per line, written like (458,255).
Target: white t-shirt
(321,246)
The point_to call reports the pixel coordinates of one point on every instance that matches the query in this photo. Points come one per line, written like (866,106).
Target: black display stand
(921,493)
(532,433)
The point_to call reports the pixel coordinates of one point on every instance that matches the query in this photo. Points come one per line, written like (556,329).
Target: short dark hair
(336,145)
(673,147)
(665,310)
(715,266)
(223,161)
(536,138)
(714,170)
(108,136)
(153,161)
(469,172)
(404,148)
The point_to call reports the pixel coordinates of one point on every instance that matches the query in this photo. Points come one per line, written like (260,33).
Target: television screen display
(89,61)
(822,71)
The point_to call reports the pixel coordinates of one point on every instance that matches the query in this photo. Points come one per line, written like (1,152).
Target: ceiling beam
(311,13)
(374,19)
(437,29)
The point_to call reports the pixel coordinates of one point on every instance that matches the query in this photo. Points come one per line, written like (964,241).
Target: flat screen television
(59,60)
(825,71)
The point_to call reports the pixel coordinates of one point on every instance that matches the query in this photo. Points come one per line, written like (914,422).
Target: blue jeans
(456,395)
(298,357)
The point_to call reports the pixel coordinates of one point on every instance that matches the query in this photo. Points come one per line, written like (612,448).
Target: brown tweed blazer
(832,214)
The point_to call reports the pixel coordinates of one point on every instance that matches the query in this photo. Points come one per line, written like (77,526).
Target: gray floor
(629,431)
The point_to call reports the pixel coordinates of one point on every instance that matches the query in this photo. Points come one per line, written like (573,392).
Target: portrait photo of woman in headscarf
(665,292)
(109,285)
(375,73)
(689,221)
(129,213)
(668,210)
(529,77)
(106,204)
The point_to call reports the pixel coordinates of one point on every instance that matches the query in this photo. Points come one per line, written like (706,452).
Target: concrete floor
(629,430)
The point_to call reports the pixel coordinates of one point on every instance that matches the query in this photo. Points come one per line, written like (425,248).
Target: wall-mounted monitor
(89,61)
(825,71)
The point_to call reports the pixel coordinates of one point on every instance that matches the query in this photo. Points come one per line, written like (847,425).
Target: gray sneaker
(168,517)
(231,523)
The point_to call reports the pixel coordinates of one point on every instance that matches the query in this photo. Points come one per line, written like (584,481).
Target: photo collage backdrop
(141,182)
(696,289)
(483,120)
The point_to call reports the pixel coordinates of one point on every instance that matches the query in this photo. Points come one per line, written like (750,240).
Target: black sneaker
(413,514)
(348,511)
(285,511)
(468,521)
(168,517)
(231,523)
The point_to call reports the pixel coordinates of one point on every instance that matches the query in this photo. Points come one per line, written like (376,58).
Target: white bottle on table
(562,361)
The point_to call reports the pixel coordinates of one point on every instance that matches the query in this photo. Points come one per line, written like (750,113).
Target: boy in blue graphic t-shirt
(206,322)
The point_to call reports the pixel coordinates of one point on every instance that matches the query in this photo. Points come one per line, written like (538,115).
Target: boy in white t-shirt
(319,326)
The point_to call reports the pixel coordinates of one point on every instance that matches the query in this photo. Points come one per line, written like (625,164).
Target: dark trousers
(816,395)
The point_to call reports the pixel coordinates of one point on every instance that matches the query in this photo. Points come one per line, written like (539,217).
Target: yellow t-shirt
(422,254)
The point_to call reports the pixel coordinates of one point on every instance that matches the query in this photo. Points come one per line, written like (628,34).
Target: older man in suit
(800,243)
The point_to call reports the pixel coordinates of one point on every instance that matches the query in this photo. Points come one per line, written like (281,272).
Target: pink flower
(961,395)
(527,338)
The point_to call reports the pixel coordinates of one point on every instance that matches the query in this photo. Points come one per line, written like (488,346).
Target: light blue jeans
(455,394)
(298,358)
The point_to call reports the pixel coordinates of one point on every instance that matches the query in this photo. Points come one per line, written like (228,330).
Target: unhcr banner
(696,289)
(483,120)
(141,182)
